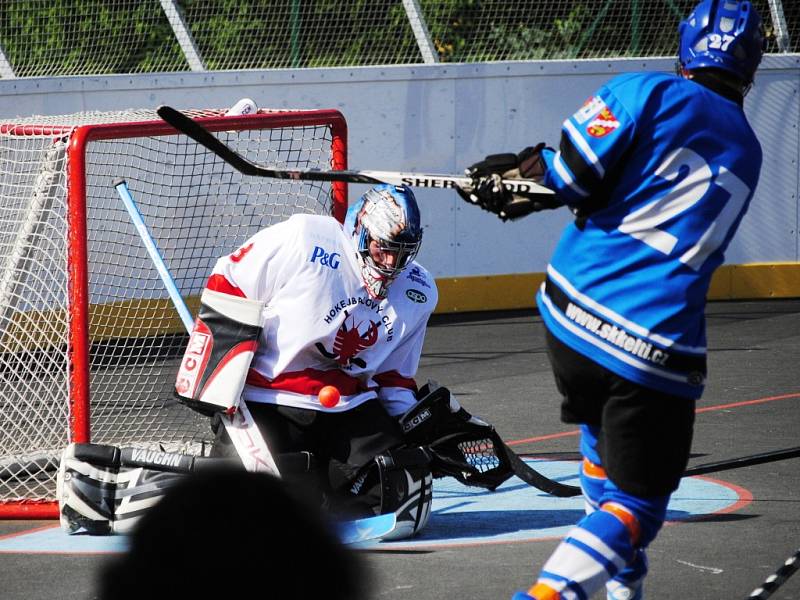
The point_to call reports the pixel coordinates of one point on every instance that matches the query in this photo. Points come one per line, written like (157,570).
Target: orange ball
(329,396)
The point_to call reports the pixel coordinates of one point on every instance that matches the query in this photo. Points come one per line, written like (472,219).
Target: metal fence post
(6,70)
(421,33)
(779,24)
(183,35)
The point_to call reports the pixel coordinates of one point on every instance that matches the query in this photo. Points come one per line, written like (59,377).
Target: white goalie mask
(385,227)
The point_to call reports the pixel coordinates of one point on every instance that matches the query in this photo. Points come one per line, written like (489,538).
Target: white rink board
(440,118)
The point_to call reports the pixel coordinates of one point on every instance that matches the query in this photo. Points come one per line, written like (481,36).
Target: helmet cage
(404,252)
(390,211)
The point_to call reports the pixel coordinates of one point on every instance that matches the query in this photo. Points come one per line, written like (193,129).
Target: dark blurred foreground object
(229,533)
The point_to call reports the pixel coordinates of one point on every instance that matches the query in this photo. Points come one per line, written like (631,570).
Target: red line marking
(747,402)
(745,495)
(552,436)
(541,438)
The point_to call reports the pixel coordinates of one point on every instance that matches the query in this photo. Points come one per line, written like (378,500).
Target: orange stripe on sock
(628,519)
(542,591)
(592,470)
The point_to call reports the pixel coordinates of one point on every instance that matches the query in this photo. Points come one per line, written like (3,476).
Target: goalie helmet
(722,34)
(389,216)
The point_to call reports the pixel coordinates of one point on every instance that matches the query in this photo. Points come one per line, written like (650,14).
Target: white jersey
(321,327)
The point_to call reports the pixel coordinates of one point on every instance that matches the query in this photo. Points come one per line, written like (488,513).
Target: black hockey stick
(777,579)
(532,477)
(743,461)
(539,481)
(204,137)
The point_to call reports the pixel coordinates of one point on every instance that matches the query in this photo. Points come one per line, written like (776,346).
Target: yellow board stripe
(146,318)
(504,292)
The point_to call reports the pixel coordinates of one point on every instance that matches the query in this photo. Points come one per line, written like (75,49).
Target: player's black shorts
(645,435)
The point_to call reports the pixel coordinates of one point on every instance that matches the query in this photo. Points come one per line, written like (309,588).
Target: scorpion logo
(350,341)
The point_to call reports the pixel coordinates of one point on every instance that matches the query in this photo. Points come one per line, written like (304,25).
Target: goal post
(89,340)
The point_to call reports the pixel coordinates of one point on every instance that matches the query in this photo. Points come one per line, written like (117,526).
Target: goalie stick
(204,137)
(241,428)
(366,529)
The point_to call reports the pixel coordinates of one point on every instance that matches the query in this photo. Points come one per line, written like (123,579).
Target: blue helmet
(388,215)
(722,34)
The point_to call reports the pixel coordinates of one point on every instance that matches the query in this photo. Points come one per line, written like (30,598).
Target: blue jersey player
(659,170)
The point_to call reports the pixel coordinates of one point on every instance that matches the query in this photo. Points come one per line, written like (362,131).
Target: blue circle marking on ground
(517,512)
(461,515)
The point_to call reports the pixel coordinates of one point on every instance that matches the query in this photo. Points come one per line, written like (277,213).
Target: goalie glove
(459,444)
(488,192)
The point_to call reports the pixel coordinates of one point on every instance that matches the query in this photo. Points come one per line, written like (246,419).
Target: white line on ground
(713,570)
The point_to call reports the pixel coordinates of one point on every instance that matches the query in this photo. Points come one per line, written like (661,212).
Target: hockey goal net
(89,340)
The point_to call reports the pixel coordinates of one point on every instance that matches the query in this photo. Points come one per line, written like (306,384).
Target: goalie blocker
(221,346)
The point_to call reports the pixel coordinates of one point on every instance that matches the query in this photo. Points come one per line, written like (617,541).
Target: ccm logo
(191,363)
(416,421)
(416,296)
(328,260)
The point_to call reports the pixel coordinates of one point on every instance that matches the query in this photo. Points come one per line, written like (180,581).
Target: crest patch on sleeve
(603,124)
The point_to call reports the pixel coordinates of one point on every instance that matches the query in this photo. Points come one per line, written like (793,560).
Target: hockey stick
(714,467)
(239,425)
(204,137)
(532,477)
(777,579)
(743,461)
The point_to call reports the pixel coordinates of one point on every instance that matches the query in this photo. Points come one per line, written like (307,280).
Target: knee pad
(593,483)
(647,513)
(642,516)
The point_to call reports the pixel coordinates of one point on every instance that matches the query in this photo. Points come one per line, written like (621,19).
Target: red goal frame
(77,255)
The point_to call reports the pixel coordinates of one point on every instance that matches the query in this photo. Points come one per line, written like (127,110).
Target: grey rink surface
(497,366)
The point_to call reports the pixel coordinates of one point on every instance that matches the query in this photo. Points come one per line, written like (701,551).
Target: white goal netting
(89,340)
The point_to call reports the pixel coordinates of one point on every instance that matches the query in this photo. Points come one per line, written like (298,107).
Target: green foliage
(86,36)
(65,37)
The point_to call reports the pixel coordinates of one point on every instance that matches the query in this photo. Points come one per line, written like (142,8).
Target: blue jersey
(665,169)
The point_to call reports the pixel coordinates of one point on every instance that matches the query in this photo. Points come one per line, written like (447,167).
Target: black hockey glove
(457,443)
(488,192)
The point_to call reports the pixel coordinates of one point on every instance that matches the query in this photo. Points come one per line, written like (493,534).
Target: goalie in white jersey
(345,310)
(318,327)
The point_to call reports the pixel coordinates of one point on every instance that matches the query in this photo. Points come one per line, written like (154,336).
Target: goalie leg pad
(399,482)
(104,489)
(221,346)
(85,485)
(407,491)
